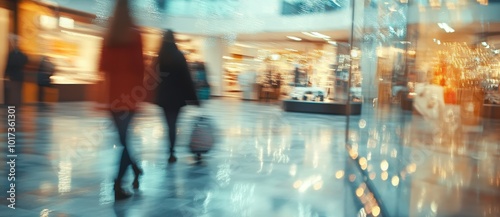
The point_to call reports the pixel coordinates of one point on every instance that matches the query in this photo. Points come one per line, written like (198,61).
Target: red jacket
(123,66)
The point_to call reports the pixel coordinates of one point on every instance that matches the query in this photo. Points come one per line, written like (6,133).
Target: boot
(120,193)
(137,172)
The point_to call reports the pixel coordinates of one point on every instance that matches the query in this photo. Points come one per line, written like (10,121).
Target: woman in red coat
(123,65)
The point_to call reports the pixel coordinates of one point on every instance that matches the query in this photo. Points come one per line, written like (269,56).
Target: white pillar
(213,50)
(4,48)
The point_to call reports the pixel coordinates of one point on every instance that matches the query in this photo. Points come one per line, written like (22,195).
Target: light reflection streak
(64,176)
(45,213)
(315,160)
(242,198)
(261,160)
(206,202)
(224,174)
(293,170)
(104,195)
(310,182)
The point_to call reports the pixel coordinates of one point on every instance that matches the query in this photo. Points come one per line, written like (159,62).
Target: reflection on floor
(267,163)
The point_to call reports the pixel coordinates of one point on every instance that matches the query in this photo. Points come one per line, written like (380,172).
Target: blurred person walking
(202,85)
(45,71)
(14,71)
(123,66)
(176,88)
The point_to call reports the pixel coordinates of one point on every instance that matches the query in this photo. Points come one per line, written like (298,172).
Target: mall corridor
(267,163)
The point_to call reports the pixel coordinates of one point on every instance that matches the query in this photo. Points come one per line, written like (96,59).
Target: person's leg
(15,93)
(40,94)
(171,115)
(122,120)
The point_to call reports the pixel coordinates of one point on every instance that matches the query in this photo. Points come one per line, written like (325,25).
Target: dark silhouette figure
(176,87)
(45,71)
(14,71)
(201,81)
(123,65)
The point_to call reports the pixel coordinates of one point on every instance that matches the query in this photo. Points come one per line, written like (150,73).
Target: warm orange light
(318,185)
(411,168)
(297,184)
(376,211)
(384,165)
(360,192)
(339,174)
(363,163)
(395,181)
(384,175)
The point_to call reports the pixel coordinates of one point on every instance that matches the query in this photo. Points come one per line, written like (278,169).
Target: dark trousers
(122,120)
(172,115)
(41,93)
(15,93)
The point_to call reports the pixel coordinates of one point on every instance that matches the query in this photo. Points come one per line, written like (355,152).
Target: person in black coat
(176,87)
(14,71)
(45,71)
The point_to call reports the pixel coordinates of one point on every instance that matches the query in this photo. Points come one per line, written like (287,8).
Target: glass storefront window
(425,139)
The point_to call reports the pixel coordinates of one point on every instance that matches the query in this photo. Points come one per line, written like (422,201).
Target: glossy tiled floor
(267,163)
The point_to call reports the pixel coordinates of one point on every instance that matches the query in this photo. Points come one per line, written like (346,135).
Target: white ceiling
(279,40)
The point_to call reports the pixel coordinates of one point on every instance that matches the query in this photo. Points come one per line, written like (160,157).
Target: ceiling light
(48,22)
(80,34)
(243,45)
(484,43)
(66,22)
(275,57)
(446,27)
(309,34)
(294,38)
(319,35)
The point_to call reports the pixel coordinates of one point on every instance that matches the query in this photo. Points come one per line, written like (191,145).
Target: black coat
(176,85)
(15,65)
(45,71)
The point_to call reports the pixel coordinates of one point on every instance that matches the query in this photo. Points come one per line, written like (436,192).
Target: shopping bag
(203,135)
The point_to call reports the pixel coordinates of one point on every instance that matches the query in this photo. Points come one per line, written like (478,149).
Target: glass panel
(425,140)
(297,7)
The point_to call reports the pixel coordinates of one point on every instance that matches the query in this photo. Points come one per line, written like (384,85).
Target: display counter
(336,108)
(315,100)
(65,87)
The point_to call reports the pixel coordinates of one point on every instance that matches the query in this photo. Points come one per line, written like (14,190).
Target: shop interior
(286,66)
(313,66)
